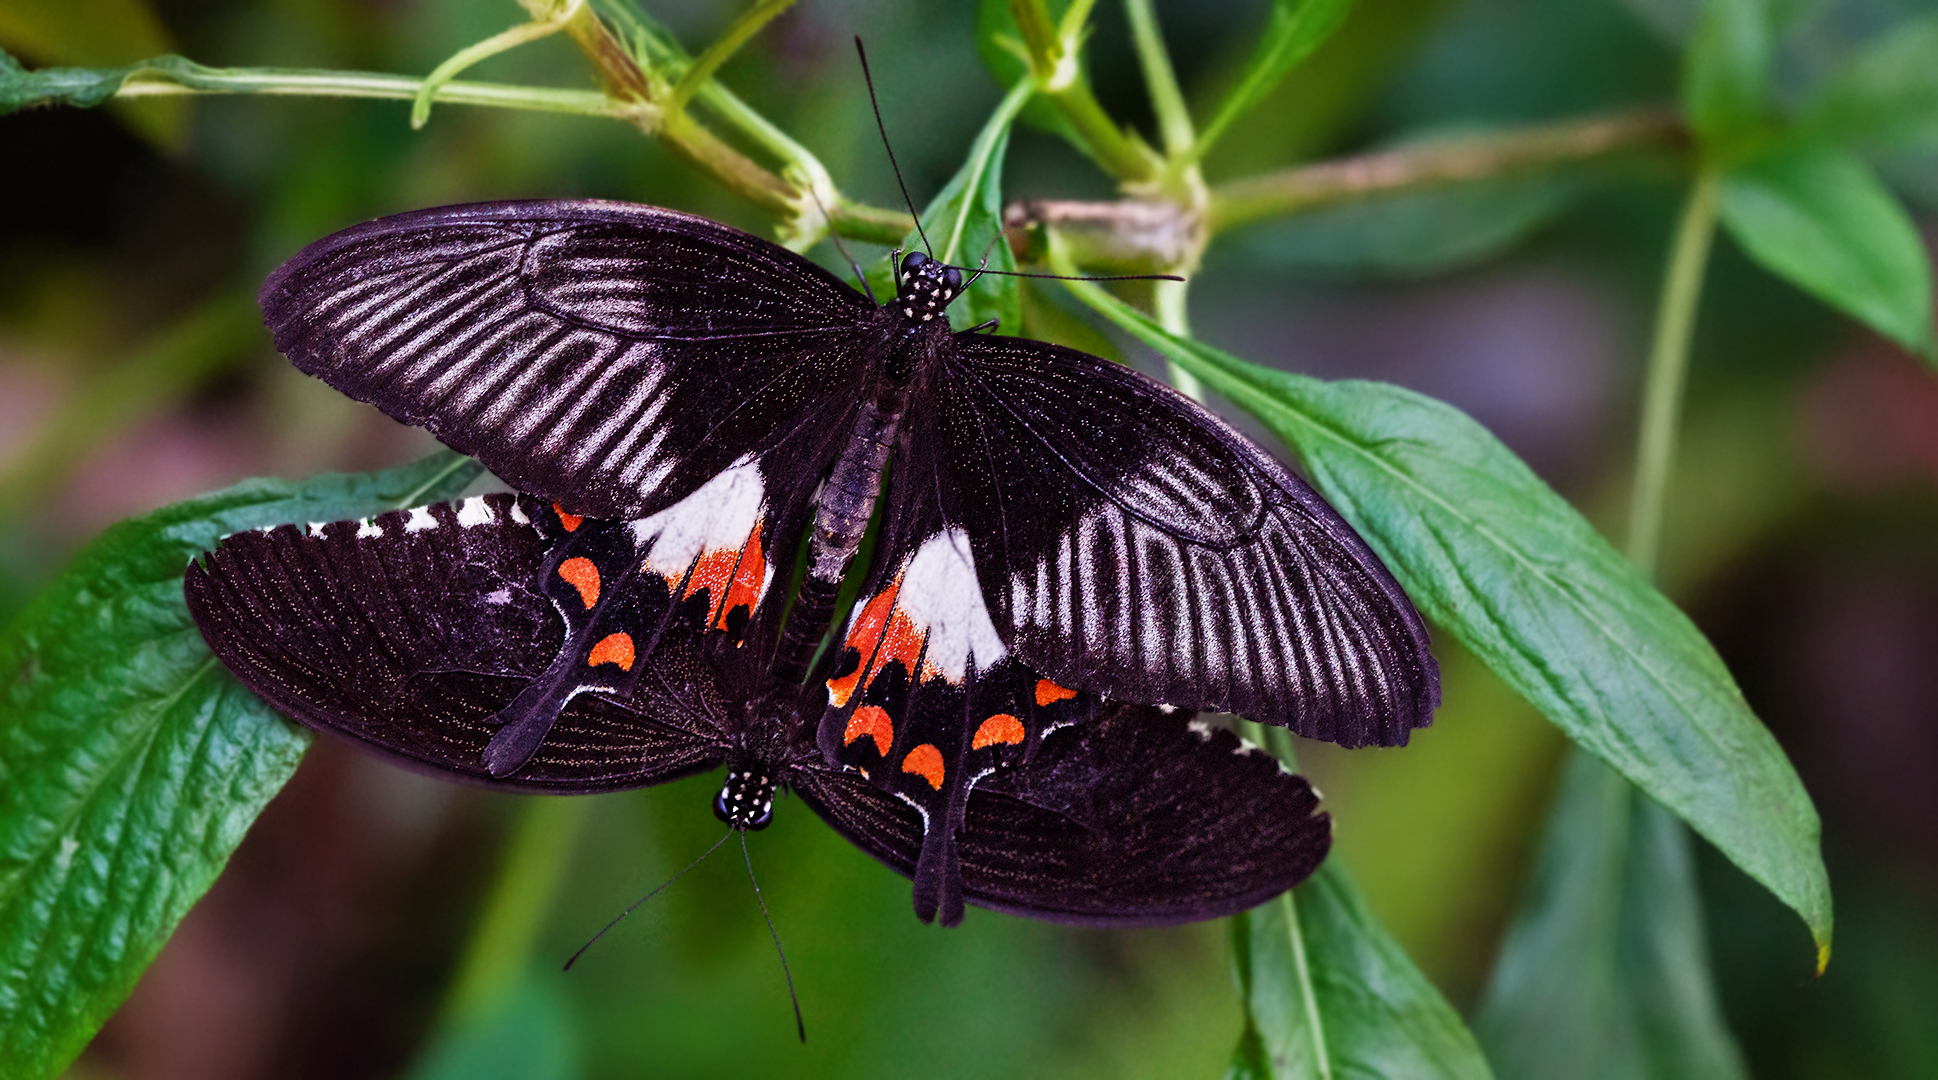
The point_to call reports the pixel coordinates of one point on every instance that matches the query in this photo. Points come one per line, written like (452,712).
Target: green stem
(1547,146)
(1675,323)
(535,862)
(1167,101)
(1168,299)
(420,111)
(1053,62)
(723,47)
(301,82)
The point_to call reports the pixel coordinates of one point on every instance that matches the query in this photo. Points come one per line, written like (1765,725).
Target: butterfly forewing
(609,356)
(1130,543)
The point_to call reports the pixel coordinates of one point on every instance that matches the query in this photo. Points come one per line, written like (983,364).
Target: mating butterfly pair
(1058,535)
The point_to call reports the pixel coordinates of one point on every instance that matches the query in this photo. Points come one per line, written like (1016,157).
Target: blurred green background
(133,371)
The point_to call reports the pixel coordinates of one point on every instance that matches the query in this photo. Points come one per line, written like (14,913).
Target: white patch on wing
(720,516)
(367,531)
(498,596)
(475,511)
(316,528)
(1201,729)
(518,514)
(941,596)
(420,519)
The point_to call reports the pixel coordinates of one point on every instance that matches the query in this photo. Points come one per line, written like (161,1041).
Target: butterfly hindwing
(410,631)
(609,356)
(1139,817)
(1130,543)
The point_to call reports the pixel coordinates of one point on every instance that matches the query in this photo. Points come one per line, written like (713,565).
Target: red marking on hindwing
(583,576)
(925,761)
(871,721)
(612,649)
(1048,693)
(570,521)
(1000,728)
(882,635)
(744,589)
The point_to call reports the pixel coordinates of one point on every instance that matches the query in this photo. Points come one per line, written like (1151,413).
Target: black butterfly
(1043,509)
(414,631)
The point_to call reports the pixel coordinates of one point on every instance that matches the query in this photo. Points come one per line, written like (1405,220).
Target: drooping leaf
(131,763)
(1604,974)
(965,220)
(1328,993)
(1726,70)
(1819,217)
(1491,553)
(1887,94)
(1292,31)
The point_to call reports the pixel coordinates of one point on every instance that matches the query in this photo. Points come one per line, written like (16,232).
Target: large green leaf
(1605,973)
(1292,31)
(1491,553)
(1726,70)
(965,220)
(131,763)
(1328,993)
(1820,218)
(1886,94)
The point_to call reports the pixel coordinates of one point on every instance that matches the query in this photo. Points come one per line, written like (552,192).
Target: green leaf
(1886,95)
(131,763)
(87,87)
(965,219)
(1819,217)
(1416,233)
(1726,71)
(1604,974)
(1328,993)
(1293,30)
(1491,553)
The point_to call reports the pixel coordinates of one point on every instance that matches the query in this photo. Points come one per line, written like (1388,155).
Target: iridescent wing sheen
(608,356)
(1127,542)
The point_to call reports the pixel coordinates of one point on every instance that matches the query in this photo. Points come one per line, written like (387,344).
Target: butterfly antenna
(843,248)
(800,1026)
(635,905)
(883,128)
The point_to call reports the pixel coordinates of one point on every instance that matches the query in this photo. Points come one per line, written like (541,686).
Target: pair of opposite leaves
(690,406)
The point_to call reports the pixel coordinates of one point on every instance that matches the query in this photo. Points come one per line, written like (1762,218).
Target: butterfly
(749,412)
(413,631)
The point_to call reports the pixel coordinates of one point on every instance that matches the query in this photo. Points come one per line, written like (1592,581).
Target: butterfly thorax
(924,288)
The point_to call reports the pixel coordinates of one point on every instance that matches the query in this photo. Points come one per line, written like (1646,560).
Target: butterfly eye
(953,279)
(720,807)
(914,260)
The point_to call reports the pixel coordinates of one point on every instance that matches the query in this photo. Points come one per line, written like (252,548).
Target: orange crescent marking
(872,721)
(925,761)
(584,576)
(867,631)
(1000,728)
(612,649)
(570,521)
(712,572)
(1048,692)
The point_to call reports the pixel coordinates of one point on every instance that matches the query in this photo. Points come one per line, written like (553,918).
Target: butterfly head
(924,288)
(746,801)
